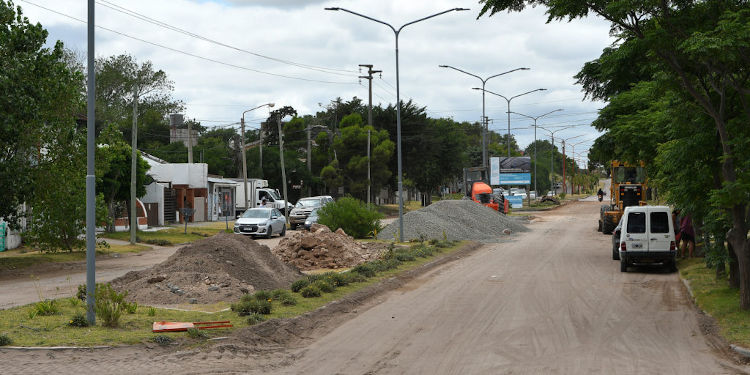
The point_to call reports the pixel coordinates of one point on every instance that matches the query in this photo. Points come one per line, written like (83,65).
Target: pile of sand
(219,268)
(321,248)
(456,220)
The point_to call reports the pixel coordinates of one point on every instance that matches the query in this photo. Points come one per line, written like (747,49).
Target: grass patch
(28,329)
(172,236)
(22,258)
(715,297)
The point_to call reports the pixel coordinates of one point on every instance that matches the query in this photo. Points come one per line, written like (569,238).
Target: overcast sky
(291,52)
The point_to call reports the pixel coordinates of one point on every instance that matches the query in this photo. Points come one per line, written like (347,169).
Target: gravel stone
(458,220)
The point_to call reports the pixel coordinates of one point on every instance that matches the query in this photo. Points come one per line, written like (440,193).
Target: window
(659,222)
(636,222)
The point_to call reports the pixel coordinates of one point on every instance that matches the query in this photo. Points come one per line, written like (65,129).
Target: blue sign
(516,201)
(515,179)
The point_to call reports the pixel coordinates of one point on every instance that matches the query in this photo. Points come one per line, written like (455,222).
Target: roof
(222,181)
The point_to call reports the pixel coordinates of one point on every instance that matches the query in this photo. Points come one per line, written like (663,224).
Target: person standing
(263,203)
(676,226)
(687,236)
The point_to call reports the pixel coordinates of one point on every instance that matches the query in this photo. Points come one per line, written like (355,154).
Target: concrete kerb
(737,349)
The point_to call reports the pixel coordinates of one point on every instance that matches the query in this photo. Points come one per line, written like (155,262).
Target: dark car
(303,208)
(311,219)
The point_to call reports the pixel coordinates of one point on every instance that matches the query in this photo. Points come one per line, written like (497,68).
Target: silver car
(304,206)
(261,222)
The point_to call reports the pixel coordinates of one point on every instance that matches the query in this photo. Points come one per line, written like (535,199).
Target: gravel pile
(458,219)
(321,248)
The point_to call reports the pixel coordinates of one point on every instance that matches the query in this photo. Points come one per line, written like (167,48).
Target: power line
(148,19)
(191,54)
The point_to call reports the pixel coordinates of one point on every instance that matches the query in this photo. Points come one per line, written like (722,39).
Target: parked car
(647,236)
(261,222)
(532,194)
(311,219)
(303,208)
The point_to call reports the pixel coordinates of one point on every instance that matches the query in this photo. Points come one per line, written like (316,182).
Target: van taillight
(622,246)
(672,246)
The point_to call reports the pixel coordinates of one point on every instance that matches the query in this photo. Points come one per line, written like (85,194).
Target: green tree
(40,97)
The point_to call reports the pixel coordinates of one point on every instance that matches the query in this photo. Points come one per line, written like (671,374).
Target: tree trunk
(737,238)
(734,269)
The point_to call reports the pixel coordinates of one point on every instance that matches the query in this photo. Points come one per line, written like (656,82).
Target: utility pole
(244,161)
(309,158)
(563,177)
(368,167)
(133,163)
(90,172)
(283,171)
(190,142)
(368,77)
(260,151)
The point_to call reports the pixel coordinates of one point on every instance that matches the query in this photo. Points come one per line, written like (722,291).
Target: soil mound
(457,220)
(321,248)
(219,268)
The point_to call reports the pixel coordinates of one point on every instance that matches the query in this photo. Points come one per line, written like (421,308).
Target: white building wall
(195,175)
(155,194)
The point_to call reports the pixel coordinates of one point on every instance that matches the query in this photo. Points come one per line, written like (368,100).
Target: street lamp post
(244,161)
(564,161)
(484,117)
(508,101)
(573,152)
(398,104)
(536,118)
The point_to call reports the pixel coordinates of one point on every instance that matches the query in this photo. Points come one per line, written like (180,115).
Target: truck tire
(599,229)
(615,253)
(608,225)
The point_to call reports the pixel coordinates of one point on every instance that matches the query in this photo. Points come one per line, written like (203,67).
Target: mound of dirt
(219,268)
(455,219)
(321,248)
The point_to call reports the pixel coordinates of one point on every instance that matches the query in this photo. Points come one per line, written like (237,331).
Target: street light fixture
(536,118)
(484,118)
(244,161)
(508,100)
(398,103)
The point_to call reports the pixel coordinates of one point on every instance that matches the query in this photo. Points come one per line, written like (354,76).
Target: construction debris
(219,268)
(321,248)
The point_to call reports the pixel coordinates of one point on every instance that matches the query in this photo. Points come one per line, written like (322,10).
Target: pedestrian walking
(687,236)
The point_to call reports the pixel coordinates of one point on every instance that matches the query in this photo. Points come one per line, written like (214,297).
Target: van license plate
(637,245)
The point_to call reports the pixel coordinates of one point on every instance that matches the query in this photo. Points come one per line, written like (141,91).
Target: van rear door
(660,233)
(636,238)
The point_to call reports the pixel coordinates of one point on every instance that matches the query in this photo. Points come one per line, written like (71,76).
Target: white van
(647,236)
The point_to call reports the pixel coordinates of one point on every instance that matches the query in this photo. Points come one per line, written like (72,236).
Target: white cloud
(303,32)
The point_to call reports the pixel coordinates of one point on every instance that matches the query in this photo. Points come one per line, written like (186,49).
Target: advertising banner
(494,170)
(514,179)
(516,201)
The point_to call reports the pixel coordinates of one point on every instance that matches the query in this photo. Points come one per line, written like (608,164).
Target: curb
(735,348)
(21,348)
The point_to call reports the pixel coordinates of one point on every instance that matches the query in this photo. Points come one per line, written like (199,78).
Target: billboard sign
(514,179)
(494,170)
(516,201)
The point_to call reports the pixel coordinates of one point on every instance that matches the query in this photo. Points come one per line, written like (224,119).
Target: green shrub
(324,286)
(365,269)
(74,302)
(355,277)
(151,311)
(109,304)
(81,295)
(299,284)
(254,319)
(310,291)
(263,295)
(352,215)
(161,339)
(562,195)
(46,308)
(277,294)
(405,256)
(287,300)
(195,333)
(5,340)
(131,307)
(248,306)
(78,320)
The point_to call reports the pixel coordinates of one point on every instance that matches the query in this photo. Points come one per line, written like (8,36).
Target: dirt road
(549,302)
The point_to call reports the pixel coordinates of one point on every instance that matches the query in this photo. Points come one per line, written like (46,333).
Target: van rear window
(636,222)
(659,222)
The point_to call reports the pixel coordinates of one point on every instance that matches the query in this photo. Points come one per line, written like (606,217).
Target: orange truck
(482,194)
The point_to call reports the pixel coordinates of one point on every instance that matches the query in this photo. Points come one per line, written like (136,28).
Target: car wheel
(270,231)
(292,226)
(623,266)
(600,226)
(283,231)
(672,266)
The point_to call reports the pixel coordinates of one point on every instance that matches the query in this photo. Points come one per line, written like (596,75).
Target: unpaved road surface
(551,301)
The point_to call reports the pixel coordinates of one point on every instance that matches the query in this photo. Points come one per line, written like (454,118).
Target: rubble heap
(321,248)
